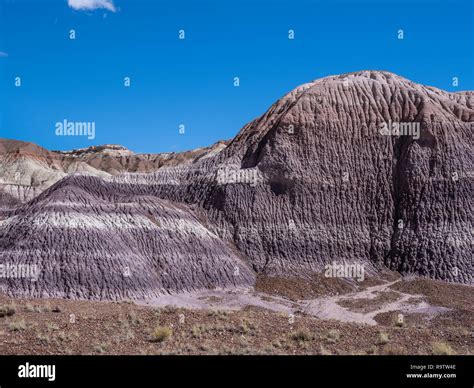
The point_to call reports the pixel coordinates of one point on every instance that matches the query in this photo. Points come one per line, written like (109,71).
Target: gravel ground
(247,323)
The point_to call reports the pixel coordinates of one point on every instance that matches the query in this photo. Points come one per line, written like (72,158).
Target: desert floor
(280,316)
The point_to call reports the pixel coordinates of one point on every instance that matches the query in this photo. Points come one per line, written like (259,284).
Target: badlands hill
(323,176)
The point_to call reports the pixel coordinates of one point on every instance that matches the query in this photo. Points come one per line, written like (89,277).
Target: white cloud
(86,5)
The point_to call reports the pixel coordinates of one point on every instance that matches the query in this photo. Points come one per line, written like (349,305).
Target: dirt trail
(223,299)
(327,307)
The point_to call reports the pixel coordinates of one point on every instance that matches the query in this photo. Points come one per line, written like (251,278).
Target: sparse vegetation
(323,351)
(51,327)
(372,350)
(196,331)
(276,344)
(128,334)
(132,318)
(43,338)
(251,325)
(101,348)
(161,334)
(220,314)
(62,336)
(383,338)
(7,311)
(244,327)
(45,308)
(17,325)
(301,335)
(333,335)
(442,348)
(38,308)
(394,350)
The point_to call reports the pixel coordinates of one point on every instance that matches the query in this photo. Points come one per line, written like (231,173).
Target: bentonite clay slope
(314,180)
(90,242)
(358,195)
(311,182)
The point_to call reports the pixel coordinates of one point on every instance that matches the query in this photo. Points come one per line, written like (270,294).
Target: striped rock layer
(365,168)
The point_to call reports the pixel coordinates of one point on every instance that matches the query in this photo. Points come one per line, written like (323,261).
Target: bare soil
(435,323)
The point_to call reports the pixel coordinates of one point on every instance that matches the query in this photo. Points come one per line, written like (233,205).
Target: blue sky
(190,81)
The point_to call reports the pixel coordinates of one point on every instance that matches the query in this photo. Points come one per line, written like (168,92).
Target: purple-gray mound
(92,243)
(317,179)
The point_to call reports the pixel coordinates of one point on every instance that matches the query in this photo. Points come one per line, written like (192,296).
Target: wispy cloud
(3,54)
(87,5)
